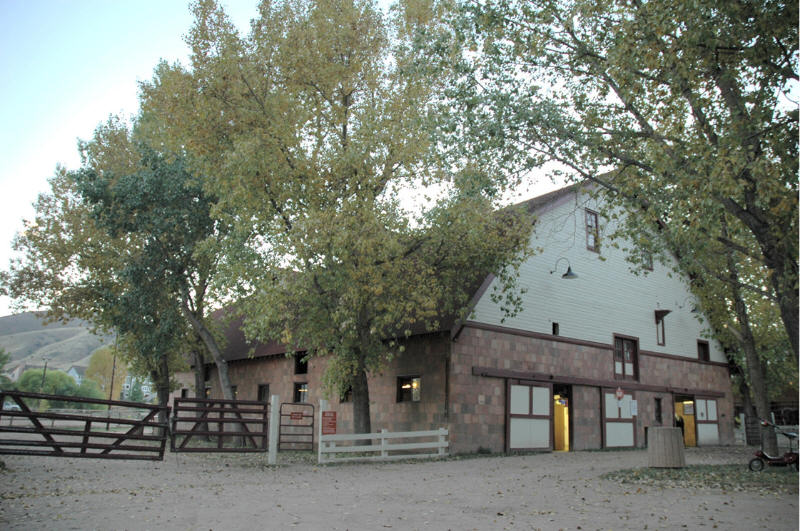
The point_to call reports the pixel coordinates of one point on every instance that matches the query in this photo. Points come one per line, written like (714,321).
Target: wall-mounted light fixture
(569,274)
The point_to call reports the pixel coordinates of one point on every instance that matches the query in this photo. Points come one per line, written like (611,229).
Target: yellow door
(560,424)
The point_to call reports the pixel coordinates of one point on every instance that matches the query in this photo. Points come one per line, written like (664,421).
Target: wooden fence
(346,447)
(216,425)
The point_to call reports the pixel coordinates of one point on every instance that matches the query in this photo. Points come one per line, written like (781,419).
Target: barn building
(601,352)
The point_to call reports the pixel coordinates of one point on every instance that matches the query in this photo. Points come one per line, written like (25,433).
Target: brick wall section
(425,356)
(478,403)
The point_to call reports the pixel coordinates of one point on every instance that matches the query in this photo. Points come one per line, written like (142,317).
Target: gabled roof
(237,347)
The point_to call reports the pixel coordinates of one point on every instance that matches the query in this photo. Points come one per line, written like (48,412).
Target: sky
(65,67)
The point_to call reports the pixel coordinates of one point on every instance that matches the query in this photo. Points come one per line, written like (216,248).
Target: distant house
(599,354)
(17,371)
(147,387)
(77,373)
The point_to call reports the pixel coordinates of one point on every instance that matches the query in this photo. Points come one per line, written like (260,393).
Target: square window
(301,392)
(184,393)
(300,365)
(592,231)
(263,393)
(703,353)
(408,388)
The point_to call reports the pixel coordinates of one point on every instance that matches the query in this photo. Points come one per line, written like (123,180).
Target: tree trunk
(361,417)
(213,348)
(161,379)
(200,384)
(755,371)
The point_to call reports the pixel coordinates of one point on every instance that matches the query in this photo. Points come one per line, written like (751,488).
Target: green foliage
(5,381)
(677,111)
(59,383)
(311,131)
(103,369)
(136,394)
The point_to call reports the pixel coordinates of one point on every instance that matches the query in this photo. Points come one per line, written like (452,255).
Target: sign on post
(328,423)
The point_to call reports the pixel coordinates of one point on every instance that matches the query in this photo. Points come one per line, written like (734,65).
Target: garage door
(529,416)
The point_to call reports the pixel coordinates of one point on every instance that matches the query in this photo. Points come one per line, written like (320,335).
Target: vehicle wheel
(756,464)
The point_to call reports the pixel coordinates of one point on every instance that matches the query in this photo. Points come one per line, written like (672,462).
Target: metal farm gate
(213,425)
(296,427)
(132,432)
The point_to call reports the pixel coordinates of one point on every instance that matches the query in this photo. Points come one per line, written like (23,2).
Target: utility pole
(44,372)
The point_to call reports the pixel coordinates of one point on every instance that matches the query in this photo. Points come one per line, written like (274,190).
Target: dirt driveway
(212,492)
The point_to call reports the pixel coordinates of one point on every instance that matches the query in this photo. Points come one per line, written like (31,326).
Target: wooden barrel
(665,448)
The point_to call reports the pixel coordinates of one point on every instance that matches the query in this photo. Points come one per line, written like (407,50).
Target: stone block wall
(425,356)
(478,403)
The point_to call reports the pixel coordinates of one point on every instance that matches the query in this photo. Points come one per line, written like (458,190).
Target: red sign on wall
(328,423)
(296,415)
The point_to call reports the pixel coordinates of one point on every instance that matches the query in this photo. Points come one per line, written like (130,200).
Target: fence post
(384,453)
(274,424)
(323,406)
(442,433)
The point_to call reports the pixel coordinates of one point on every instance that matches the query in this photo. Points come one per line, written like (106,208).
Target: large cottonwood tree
(680,111)
(315,129)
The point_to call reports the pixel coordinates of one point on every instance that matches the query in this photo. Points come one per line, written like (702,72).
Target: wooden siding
(607,298)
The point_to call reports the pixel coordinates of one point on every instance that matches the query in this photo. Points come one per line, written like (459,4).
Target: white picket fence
(384,450)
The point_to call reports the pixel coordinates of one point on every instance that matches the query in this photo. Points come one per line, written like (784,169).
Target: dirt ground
(227,492)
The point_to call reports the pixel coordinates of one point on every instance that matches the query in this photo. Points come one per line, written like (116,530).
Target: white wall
(606,298)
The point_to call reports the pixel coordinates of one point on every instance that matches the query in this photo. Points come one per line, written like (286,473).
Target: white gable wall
(607,298)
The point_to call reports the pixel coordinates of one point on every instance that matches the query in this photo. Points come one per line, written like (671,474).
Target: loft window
(300,364)
(592,231)
(301,392)
(408,388)
(703,353)
(555,329)
(626,358)
(184,393)
(660,335)
(263,393)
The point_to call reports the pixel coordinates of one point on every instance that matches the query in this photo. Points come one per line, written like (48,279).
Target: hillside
(29,340)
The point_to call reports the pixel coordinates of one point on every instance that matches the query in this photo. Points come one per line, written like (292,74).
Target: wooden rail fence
(331,449)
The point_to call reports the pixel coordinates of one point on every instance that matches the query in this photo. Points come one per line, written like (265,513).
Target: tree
(677,110)
(56,383)
(136,394)
(162,205)
(309,132)
(75,267)
(104,369)
(5,381)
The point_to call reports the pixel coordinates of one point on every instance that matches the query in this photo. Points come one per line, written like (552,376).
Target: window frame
(619,356)
(300,366)
(704,353)
(409,394)
(298,393)
(260,392)
(592,225)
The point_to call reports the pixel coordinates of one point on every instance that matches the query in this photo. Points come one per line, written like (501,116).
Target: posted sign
(328,423)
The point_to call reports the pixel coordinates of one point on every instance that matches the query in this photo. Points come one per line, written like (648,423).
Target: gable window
(592,231)
(301,392)
(555,329)
(626,358)
(660,337)
(703,353)
(263,393)
(408,388)
(300,365)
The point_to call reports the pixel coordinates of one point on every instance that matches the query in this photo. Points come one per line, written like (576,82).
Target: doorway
(685,419)
(562,395)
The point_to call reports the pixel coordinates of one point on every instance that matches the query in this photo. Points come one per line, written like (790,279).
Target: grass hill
(29,340)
